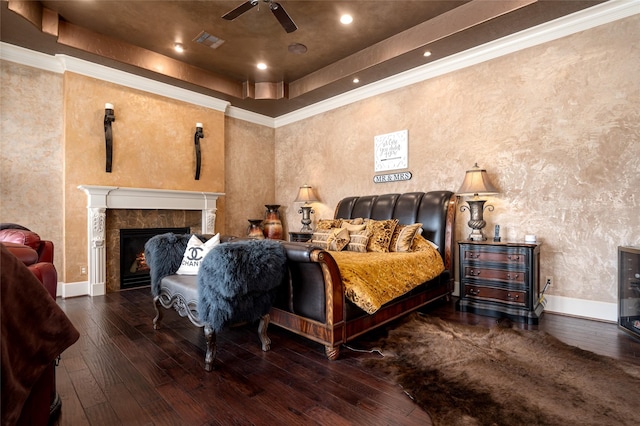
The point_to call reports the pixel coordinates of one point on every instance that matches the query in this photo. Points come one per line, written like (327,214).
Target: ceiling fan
(276,8)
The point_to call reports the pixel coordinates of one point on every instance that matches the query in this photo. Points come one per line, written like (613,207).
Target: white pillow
(195,252)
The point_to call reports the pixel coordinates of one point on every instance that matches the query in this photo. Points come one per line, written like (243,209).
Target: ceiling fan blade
(283,17)
(244,7)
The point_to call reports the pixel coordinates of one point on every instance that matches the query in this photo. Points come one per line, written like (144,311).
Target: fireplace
(134,271)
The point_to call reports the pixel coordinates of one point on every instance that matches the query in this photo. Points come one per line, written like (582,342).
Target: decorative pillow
(353,228)
(324,224)
(358,240)
(356,221)
(381,232)
(320,237)
(338,239)
(403,236)
(420,243)
(196,251)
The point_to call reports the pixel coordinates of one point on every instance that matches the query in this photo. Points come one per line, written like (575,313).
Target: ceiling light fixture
(262,66)
(178,48)
(426,54)
(356,80)
(346,19)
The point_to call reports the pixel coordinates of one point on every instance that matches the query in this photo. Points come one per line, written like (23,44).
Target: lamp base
(477,235)
(306,218)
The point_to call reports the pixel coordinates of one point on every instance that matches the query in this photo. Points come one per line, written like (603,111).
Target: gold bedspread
(372,279)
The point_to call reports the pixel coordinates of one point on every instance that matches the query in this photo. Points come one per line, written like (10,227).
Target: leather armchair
(20,235)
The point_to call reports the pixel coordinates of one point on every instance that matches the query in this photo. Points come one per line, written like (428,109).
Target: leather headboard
(429,208)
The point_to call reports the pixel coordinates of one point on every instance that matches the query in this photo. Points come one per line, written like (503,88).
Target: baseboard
(73,289)
(592,309)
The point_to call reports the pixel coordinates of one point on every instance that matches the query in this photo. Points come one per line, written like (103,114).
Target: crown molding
(601,14)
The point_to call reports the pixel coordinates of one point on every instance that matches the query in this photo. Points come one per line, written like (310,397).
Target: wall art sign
(392,177)
(391,151)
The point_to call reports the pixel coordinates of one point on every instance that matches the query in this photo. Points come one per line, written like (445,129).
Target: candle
(108,106)
(199,125)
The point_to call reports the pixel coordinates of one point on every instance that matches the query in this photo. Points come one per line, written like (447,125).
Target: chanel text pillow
(195,252)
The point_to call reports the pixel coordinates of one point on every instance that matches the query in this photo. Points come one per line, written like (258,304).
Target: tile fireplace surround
(101,198)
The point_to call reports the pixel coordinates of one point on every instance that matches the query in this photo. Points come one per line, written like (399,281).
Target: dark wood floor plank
(122,371)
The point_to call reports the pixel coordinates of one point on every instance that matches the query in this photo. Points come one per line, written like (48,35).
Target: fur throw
(237,281)
(163,254)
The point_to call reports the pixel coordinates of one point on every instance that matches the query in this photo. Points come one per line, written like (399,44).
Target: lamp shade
(476,182)
(305,195)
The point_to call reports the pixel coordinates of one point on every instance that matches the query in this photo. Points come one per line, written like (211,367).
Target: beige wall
(556,126)
(31,155)
(250,169)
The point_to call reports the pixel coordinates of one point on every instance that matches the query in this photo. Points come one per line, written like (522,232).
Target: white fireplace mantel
(101,198)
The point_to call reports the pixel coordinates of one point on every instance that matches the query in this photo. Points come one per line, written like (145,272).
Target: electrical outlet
(549,281)
(83,270)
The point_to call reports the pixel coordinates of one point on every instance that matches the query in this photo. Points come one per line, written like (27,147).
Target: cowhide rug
(467,375)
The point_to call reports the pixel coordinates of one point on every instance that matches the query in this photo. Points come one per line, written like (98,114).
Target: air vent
(208,40)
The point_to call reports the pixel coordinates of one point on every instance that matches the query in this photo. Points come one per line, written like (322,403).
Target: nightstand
(300,237)
(500,280)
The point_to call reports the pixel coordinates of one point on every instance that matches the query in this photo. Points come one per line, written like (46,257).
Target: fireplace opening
(134,271)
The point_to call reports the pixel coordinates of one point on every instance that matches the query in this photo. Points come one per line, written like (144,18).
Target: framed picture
(391,151)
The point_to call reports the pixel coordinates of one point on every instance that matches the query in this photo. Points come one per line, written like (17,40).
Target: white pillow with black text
(196,251)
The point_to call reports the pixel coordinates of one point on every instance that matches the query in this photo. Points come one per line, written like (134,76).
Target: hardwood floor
(122,371)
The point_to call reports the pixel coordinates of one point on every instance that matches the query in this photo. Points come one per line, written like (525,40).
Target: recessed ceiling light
(426,54)
(356,80)
(346,19)
(262,66)
(178,48)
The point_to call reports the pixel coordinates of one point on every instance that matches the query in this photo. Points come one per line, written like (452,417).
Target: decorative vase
(272,224)
(255,229)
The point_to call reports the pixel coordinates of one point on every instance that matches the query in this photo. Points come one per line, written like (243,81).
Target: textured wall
(249,150)
(31,154)
(153,148)
(556,126)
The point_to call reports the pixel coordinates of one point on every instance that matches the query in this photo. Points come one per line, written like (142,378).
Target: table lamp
(476,184)
(306,196)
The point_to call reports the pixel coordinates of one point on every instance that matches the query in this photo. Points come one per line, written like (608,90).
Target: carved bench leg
(262,332)
(210,355)
(158,318)
(333,352)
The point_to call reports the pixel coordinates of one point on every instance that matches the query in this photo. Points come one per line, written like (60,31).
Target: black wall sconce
(109,117)
(196,141)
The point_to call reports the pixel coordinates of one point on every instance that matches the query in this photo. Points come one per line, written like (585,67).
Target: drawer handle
(474,272)
(473,255)
(474,292)
(515,258)
(515,277)
(513,298)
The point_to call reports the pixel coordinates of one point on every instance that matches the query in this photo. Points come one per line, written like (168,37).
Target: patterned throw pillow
(381,232)
(403,236)
(420,243)
(319,238)
(196,251)
(338,239)
(324,224)
(358,240)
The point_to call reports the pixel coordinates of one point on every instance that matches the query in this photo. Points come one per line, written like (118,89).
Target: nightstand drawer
(477,254)
(515,277)
(489,293)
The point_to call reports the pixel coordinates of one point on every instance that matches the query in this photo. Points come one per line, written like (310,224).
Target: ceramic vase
(255,229)
(272,224)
